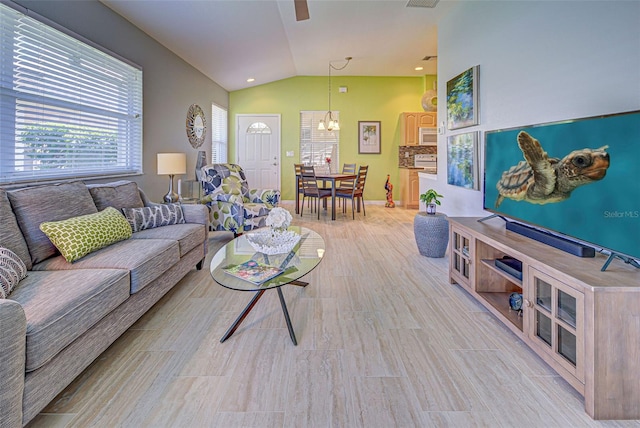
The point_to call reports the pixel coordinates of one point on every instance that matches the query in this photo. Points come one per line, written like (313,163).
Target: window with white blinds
(219,134)
(315,145)
(67,109)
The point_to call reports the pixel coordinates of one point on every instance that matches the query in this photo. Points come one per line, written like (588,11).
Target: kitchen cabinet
(410,187)
(410,123)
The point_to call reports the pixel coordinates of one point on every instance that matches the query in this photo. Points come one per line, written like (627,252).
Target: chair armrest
(222,197)
(264,196)
(196,213)
(13,337)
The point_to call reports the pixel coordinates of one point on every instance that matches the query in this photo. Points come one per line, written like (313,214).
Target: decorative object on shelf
(329,122)
(389,188)
(369,134)
(462,99)
(196,126)
(431,233)
(430,198)
(172,164)
(201,161)
(430,98)
(462,160)
(515,302)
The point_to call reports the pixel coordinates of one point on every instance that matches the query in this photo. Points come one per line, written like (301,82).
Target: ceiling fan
(302,10)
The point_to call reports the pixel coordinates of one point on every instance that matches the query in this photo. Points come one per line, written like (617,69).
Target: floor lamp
(172,164)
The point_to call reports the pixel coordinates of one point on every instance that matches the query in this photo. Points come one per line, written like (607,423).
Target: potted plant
(430,197)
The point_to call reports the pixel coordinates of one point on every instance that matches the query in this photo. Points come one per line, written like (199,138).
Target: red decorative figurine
(389,188)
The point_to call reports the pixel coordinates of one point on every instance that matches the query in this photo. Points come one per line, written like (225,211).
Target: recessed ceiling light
(419,68)
(251,79)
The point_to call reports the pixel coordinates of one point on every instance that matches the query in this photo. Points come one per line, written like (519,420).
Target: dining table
(333,178)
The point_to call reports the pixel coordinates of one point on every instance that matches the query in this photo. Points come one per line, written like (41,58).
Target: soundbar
(566,245)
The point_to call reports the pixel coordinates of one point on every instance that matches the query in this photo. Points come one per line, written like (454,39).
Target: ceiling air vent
(422,3)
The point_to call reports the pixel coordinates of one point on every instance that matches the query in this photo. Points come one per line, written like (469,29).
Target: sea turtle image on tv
(540,179)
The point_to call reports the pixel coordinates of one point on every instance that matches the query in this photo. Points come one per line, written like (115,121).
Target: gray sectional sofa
(63,315)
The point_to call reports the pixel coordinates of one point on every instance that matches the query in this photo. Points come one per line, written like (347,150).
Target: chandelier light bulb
(321,125)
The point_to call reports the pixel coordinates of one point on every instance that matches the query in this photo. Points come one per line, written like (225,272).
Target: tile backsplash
(404,161)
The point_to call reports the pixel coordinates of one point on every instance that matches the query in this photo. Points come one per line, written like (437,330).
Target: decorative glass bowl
(272,241)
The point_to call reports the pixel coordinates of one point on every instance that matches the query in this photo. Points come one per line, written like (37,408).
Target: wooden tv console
(583,322)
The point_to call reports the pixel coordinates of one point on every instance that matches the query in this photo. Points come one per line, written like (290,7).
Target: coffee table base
(250,306)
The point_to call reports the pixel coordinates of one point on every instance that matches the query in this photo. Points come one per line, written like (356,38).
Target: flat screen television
(576,178)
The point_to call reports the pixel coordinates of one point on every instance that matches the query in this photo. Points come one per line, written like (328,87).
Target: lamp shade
(172,163)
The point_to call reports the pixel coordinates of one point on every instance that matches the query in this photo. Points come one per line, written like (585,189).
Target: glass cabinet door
(461,257)
(557,320)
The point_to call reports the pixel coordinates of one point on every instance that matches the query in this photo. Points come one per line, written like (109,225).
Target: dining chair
(356,192)
(298,169)
(347,168)
(311,189)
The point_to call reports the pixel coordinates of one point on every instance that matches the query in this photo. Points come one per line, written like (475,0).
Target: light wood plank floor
(384,341)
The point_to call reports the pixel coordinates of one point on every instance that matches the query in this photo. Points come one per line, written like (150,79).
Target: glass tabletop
(304,257)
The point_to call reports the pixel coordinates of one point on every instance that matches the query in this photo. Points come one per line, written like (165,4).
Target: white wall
(539,62)
(170,85)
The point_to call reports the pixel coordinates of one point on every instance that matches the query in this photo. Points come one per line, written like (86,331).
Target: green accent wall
(367,99)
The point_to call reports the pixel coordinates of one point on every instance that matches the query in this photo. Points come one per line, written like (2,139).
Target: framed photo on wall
(369,133)
(462,160)
(462,99)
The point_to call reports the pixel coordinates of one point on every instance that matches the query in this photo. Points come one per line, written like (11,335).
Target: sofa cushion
(61,305)
(12,271)
(145,259)
(78,236)
(10,233)
(188,235)
(153,216)
(35,205)
(119,194)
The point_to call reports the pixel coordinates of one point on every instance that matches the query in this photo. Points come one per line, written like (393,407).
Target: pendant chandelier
(329,122)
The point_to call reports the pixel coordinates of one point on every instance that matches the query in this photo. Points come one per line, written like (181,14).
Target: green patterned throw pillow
(78,236)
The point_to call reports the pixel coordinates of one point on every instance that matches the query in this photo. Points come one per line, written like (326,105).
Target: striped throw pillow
(12,271)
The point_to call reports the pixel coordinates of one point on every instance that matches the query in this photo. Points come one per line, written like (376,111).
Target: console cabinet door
(556,321)
(461,250)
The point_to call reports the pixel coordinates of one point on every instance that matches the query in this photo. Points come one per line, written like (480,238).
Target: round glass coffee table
(304,257)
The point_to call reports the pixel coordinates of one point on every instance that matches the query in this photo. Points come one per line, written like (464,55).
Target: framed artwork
(462,99)
(369,137)
(462,160)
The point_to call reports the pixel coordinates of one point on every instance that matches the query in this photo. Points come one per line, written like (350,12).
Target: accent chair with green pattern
(234,206)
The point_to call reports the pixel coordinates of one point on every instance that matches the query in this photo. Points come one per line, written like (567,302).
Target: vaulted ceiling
(231,41)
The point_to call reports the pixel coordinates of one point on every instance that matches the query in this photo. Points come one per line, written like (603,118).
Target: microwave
(428,136)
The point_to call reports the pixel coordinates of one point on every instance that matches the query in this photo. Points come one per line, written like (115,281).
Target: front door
(258,149)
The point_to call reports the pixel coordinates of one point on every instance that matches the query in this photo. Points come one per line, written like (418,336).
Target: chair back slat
(361,180)
(347,168)
(309,180)
(298,169)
